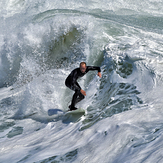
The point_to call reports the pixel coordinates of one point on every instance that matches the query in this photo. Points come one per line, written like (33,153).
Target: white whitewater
(41,42)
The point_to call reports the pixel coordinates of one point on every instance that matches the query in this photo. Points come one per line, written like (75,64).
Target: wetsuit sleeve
(93,68)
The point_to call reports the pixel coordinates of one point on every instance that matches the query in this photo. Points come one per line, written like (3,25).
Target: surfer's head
(83,67)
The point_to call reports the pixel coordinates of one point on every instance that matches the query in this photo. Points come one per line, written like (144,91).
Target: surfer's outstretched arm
(89,68)
(99,74)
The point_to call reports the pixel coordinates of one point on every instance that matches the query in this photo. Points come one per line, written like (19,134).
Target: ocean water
(41,42)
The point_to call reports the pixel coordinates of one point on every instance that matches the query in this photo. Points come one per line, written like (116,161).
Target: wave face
(41,42)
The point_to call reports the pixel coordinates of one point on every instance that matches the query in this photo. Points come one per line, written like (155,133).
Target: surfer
(71,82)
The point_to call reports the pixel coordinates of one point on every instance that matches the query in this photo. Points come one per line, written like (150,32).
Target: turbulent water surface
(41,42)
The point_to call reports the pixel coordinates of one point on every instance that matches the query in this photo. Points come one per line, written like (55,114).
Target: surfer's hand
(83,92)
(99,74)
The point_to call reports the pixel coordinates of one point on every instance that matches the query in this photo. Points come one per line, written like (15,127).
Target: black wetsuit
(71,82)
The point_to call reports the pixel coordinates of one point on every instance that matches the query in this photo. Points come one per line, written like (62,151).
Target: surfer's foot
(72,108)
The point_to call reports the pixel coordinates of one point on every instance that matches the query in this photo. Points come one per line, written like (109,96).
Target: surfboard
(77,111)
(73,116)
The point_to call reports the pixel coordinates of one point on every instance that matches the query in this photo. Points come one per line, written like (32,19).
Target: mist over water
(41,42)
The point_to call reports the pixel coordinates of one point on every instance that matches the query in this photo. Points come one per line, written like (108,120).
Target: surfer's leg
(73,102)
(80,96)
(77,97)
